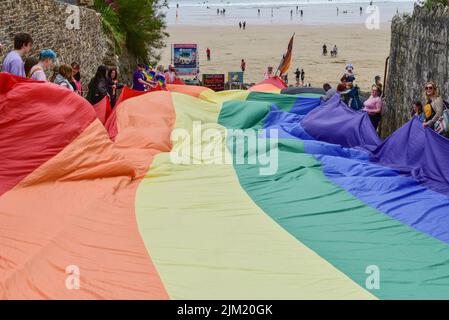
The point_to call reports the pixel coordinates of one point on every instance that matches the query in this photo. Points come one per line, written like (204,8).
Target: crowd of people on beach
(104,83)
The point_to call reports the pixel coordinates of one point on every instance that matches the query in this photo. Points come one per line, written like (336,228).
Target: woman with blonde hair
(434,106)
(64,77)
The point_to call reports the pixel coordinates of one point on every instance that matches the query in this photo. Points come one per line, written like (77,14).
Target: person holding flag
(140,80)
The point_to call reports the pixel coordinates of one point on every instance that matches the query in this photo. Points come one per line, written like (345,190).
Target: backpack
(442,124)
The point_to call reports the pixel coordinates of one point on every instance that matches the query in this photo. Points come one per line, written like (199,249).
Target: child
(418,111)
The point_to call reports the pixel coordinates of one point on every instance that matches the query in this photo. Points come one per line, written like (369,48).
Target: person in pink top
(373,106)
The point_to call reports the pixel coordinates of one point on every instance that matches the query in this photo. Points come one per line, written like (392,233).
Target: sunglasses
(429,88)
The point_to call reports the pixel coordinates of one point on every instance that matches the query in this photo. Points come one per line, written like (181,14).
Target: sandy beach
(261,45)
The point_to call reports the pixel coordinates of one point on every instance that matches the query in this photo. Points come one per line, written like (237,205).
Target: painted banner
(215,82)
(185,59)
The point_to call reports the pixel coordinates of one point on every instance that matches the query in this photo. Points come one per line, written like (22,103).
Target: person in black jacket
(113,86)
(98,86)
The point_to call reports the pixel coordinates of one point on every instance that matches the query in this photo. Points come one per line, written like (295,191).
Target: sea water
(315,12)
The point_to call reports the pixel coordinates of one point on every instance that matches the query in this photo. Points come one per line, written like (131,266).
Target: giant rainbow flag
(106,197)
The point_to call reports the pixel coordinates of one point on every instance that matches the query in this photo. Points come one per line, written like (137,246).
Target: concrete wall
(419,52)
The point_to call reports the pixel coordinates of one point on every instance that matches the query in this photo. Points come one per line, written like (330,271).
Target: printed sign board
(215,82)
(235,77)
(185,59)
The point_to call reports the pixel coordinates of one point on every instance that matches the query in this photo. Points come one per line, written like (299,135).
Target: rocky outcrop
(419,52)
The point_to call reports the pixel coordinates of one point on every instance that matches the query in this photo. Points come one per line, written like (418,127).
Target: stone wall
(46,21)
(419,52)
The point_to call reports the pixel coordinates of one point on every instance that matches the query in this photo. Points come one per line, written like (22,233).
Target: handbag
(442,124)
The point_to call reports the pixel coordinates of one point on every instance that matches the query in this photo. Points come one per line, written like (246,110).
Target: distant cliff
(419,52)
